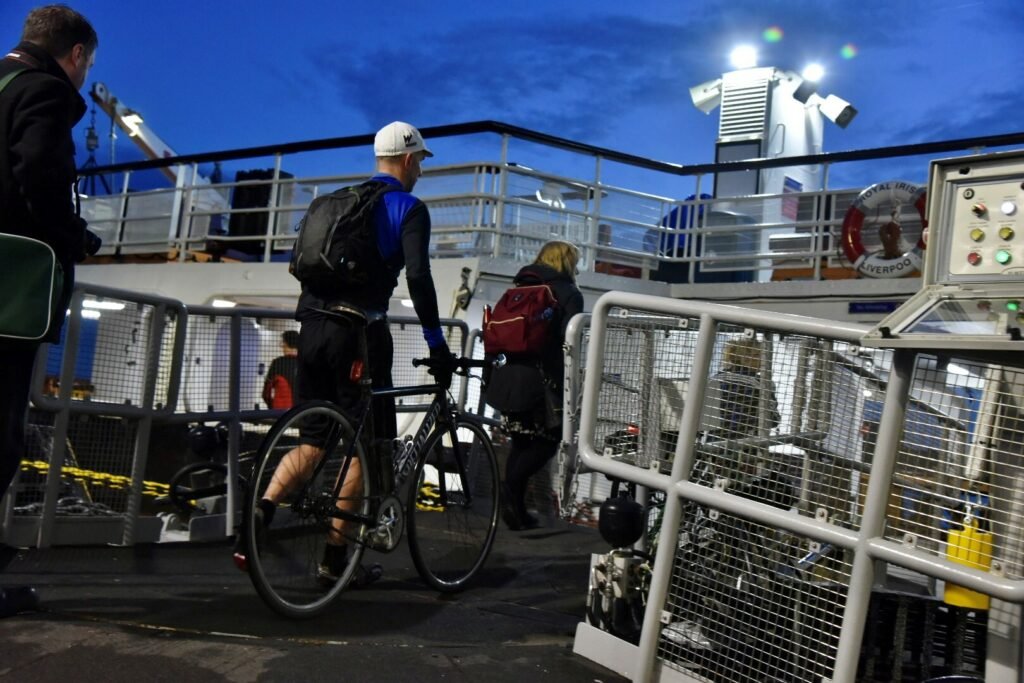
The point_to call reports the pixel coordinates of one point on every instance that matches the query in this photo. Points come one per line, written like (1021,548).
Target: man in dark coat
(39,107)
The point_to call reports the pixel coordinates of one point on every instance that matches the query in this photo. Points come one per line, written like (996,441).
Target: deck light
(813,72)
(743,57)
(103,305)
(707,95)
(132,120)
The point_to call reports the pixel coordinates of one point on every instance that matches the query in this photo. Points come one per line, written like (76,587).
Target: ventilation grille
(744,104)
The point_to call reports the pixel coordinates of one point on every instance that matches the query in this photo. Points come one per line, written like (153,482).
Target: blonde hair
(742,354)
(562,256)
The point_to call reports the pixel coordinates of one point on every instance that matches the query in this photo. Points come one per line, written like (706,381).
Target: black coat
(38,110)
(519,385)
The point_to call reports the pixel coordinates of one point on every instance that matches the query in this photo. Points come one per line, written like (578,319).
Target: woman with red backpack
(523,389)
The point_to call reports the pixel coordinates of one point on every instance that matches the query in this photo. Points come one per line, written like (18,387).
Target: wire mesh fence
(140,394)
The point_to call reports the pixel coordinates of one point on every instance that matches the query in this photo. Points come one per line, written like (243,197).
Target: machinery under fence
(809,509)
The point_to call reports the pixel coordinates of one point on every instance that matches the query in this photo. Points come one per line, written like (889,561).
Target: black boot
(508,509)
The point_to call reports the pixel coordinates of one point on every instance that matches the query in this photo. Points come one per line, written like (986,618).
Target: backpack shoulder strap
(6,80)
(528,277)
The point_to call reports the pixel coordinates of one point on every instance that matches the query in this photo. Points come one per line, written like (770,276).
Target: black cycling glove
(443,365)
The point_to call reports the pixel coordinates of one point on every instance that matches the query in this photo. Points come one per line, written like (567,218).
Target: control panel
(986,229)
(972,289)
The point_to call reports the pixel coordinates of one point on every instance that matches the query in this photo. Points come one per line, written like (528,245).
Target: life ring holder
(876,265)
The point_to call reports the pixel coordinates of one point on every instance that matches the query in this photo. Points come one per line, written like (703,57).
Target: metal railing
(504,209)
(113,402)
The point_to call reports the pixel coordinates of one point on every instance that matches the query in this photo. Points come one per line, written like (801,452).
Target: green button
(1003,257)
(1013,305)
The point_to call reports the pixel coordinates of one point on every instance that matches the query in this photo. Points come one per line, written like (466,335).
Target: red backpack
(521,321)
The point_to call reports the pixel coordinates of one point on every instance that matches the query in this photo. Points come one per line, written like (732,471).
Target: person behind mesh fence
(279,386)
(39,106)
(734,394)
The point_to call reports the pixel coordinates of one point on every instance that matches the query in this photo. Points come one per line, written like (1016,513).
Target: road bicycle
(442,484)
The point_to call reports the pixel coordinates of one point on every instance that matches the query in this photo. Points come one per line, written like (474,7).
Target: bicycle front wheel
(453,506)
(298,467)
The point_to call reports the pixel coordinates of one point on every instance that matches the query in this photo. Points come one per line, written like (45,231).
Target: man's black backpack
(337,241)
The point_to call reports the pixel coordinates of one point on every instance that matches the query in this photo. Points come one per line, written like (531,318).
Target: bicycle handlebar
(463,364)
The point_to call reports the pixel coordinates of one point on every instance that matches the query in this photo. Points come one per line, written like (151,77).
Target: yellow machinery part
(972,548)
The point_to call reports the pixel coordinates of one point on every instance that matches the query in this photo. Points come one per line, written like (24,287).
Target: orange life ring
(879,264)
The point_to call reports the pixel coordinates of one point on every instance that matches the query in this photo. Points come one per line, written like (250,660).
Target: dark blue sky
(221,75)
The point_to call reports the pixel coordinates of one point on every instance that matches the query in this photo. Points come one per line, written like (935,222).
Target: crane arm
(131,122)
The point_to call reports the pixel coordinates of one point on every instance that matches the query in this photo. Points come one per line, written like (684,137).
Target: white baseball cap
(399,138)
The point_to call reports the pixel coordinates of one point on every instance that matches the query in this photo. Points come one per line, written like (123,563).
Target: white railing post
(183,196)
(820,200)
(272,208)
(589,252)
(499,219)
(872,524)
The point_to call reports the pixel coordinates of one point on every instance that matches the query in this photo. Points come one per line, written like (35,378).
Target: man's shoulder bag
(31,286)
(31,279)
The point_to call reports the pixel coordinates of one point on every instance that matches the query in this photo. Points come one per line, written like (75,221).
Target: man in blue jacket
(38,109)
(327,347)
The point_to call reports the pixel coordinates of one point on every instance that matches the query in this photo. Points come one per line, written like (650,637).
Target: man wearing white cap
(326,348)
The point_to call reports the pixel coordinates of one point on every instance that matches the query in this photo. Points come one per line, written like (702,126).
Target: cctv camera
(838,111)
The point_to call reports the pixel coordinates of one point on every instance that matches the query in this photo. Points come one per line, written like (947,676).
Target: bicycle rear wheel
(300,478)
(452,518)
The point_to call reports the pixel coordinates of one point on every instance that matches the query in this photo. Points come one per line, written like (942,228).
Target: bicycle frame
(440,412)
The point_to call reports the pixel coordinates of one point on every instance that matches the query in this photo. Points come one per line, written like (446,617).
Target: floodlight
(132,120)
(837,110)
(813,72)
(707,95)
(804,91)
(743,57)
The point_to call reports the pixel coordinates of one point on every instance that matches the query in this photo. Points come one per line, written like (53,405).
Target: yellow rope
(114,481)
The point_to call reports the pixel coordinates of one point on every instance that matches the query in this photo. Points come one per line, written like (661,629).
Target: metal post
(175,230)
(821,201)
(235,427)
(122,213)
(589,252)
(862,574)
(692,222)
(681,468)
(499,219)
(275,194)
(795,421)
(145,427)
(61,421)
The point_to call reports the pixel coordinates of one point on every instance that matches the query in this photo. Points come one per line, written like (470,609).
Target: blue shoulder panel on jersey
(390,214)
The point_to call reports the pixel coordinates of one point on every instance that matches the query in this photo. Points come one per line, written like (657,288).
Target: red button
(974,258)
